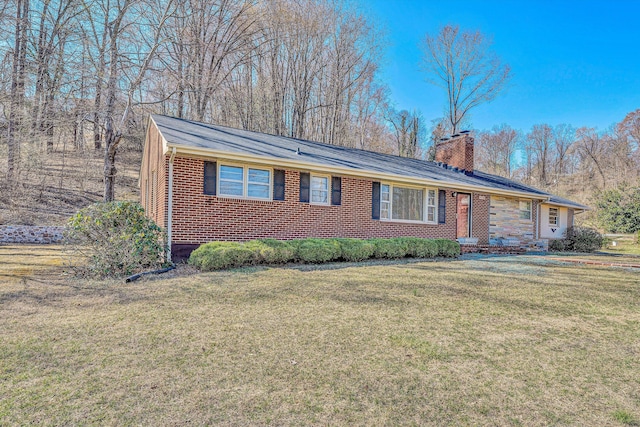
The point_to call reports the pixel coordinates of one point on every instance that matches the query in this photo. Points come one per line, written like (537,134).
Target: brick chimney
(456,151)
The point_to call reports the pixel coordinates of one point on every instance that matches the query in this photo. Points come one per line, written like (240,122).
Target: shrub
(557,245)
(583,239)
(115,238)
(204,251)
(420,248)
(220,255)
(448,248)
(355,249)
(272,251)
(389,248)
(317,250)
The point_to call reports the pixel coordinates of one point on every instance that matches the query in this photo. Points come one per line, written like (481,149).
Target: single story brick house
(203,182)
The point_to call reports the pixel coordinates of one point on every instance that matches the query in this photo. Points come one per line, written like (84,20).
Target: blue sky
(574,62)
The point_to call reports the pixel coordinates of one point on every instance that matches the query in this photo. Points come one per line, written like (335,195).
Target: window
(231,181)
(407,204)
(242,181)
(258,183)
(431,205)
(525,209)
(385,202)
(553,216)
(320,189)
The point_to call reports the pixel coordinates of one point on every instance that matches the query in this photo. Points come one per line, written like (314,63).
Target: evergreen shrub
(389,248)
(220,255)
(318,250)
(448,248)
(557,245)
(420,248)
(354,250)
(271,251)
(583,239)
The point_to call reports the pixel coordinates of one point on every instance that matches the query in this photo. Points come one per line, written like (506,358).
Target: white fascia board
(576,209)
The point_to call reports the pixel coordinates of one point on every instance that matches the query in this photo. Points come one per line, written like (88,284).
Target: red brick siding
(480,206)
(198,218)
(456,152)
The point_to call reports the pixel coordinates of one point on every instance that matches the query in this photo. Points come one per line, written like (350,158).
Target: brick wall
(198,218)
(480,213)
(456,152)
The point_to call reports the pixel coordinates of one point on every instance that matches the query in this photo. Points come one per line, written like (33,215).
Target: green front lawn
(488,341)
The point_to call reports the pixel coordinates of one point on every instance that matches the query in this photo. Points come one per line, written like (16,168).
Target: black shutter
(210,178)
(278,184)
(336,190)
(375,201)
(305,182)
(442,206)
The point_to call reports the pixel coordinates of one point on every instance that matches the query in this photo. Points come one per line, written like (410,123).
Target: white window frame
(425,203)
(557,217)
(328,178)
(521,211)
(245,181)
(385,202)
(434,205)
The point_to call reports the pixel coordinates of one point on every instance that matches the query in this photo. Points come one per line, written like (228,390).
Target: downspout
(170,204)
(538,220)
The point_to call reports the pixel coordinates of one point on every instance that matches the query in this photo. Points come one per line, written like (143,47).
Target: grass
(485,341)
(624,245)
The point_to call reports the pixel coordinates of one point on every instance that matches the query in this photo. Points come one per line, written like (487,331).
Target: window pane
(319,183)
(525,210)
(431,197)
(230,188)
(319,196)
(384,193)
(384,211)
(258,175)
(319,189)
(431,213)
(231,173)
(258,190)
(408,204)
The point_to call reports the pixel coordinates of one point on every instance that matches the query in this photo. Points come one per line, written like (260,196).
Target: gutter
(170,203)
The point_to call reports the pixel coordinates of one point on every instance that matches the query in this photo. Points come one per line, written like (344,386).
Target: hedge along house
(203,182)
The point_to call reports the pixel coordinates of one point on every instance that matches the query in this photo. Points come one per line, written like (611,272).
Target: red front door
(463,211)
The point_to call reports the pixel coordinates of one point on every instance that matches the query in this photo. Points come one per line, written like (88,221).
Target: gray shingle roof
(188,133)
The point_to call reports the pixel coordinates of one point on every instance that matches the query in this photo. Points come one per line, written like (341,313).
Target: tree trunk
(17,87)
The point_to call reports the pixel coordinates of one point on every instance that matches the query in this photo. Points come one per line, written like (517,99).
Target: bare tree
(408,132)
(461,62)
(540,143)
(495,150)
(592,148)
(629,128)
(17,94)
(50,61)
(563,140)
(138,25)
